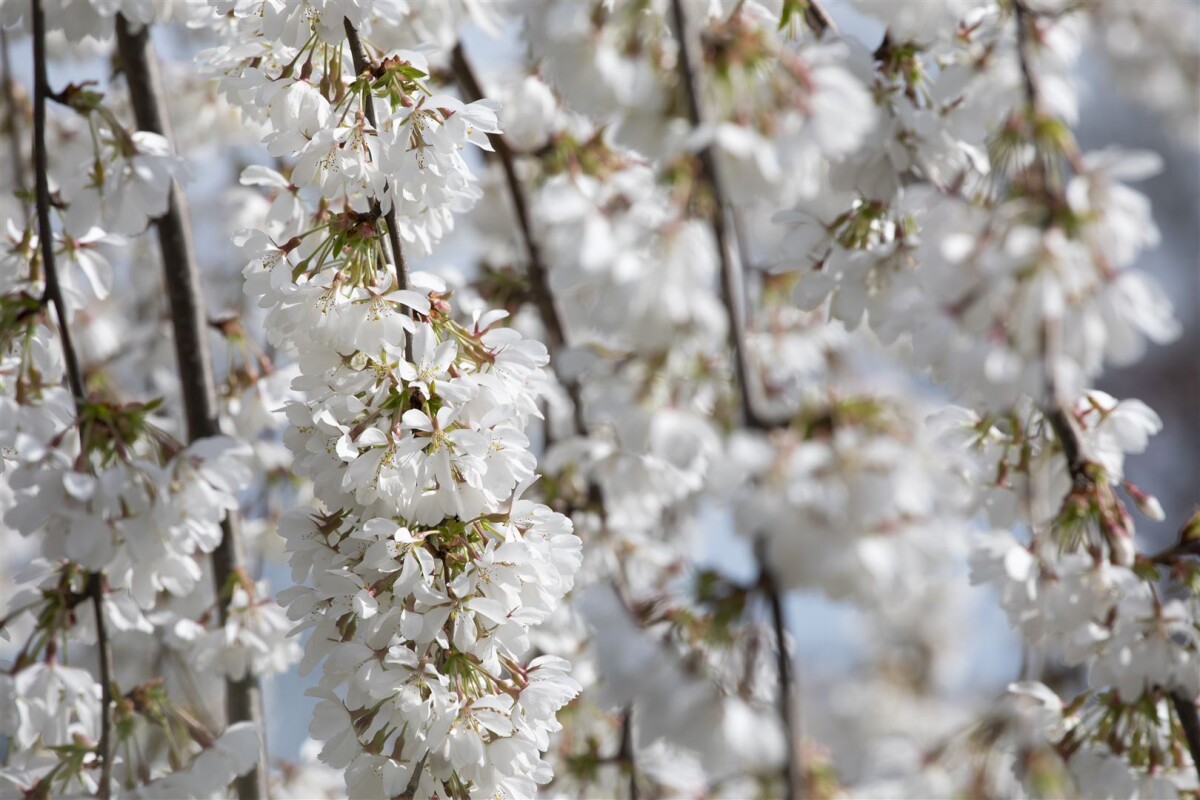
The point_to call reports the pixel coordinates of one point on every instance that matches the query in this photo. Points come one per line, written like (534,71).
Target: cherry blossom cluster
(422,571)
(645,324)
(1003,264)
(427,570)
(859,494)
(780,113)
(381,140)
(975,277)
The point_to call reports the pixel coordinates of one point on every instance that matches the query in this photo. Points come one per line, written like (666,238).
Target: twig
(731,278)
(1060,422)
(45,232)
(360,66)
(1189,719)
(41,91)
(794,773)
(243,700)
(414,781)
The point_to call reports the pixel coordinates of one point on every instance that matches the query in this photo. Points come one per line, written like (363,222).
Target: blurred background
(830,637)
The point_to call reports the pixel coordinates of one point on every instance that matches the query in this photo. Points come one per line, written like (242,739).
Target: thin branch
(243,699)
(1068,437)
(794,773)
(731,278)
(1056,415)
(360,66)
(45,231)
(625,754)
(818,18)
(539,276)
(1023,17)
(95,590)
(41,91)
(543,296)
(1189,719)
(731,294)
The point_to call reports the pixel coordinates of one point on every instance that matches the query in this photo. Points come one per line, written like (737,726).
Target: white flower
(432,359)
(52,703)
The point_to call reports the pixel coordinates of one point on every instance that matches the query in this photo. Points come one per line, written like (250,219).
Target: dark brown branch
(794,774)
(95,590)
(1068,437)
(538,276)
(185,295)
(625,756)
(731,294)
(817,18)
(95,587)
(1023,17)
(45,231)
(731,278)
(1189,719)
(360,66)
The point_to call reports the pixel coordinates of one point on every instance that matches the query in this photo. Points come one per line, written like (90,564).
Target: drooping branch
(539,277)
(625,751)
(41,90)
(1055,413)
(731,295)
(731,277)
(1023,18)
(95,584)
(359,56)
(95,590)
(185,295)
(794,775)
